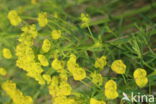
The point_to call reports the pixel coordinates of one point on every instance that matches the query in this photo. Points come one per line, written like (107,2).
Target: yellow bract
(63,75)
(57,65)
(94,101)
(71,63)
(59,87)
(16,95)
(140,76)
(14,18)
(47,78)
(42,19)
(77,72)
(7,53)
(96,78)
(56,34)
(119,67)
(31,32)
(3,72)
(43,60)
(85,19)
(111,89)
(101,62)
(46,46)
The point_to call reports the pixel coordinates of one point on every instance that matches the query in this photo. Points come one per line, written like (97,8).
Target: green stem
(124,79)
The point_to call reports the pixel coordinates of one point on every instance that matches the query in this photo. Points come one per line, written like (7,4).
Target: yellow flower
(101,62)
(14,18)
(119,67)
(57,65)
(96,78)
(7,53)
(43,60)
(47,78)
(53,87)
(111,85)
(111,94)
(111,89)
(16,95)
(42,19)
(85,19)
(34,71)
(46,46)
(56,34)
(140,76)
(63,75)
(31,30)
(71,63)
(79,73)
(142,82)
(59,87)
(139,72)
(3,72)
(98,44)
(64,88)
(94,101)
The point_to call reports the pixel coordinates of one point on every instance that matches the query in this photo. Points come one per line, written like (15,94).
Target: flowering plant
(50,55)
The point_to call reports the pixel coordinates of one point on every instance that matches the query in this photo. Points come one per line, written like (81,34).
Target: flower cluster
(59,66)
(46,46)
(118,66)
(43,60)
(16,95)
(7,53)
(56,34)
(26,57)
(96,78)
(42,19)
(59,87)
(111,89)
(85,19)
(3,72)
(140,76)
(60,90)
(14,18)
(101,62)
(77,71)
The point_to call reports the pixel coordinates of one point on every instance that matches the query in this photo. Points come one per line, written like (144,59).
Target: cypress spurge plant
(52,56)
